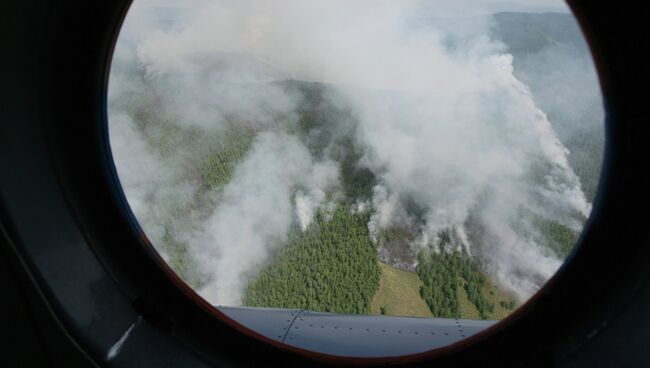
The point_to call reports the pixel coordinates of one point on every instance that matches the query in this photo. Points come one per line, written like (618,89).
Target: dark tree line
(556,236)
(331,267)
(442,272)
(216,168)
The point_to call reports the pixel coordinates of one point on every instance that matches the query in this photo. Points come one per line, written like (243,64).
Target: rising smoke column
(451,130)
(256,211)
(464,153)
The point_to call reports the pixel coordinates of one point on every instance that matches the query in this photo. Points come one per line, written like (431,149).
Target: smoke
(444,151)
(257,210)
(454,139)
(154,191)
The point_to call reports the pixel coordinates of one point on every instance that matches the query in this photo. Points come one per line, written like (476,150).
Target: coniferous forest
(330,267)
(338,261)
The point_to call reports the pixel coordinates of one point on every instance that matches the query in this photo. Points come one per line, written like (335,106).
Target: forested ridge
(442,273)
(332,265)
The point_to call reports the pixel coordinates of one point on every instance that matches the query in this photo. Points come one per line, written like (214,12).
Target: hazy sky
(445,8)
(476,7)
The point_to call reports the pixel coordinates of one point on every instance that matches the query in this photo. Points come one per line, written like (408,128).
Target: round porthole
(312,169)
(96,282)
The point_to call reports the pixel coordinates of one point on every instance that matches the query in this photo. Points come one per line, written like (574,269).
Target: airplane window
(376,158)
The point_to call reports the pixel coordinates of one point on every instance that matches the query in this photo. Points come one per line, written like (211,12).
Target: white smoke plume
(256,212)
(449,130)
(153,190)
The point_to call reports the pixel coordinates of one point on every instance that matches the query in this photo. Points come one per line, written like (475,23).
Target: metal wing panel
(355,335)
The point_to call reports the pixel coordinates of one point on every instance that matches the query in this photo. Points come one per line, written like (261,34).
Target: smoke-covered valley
(241,128)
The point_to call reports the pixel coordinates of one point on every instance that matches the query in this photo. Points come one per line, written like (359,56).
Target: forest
(335,264)
(442,273)
(331,267)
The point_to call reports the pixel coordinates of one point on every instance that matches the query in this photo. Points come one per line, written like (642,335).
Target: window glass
(411,158)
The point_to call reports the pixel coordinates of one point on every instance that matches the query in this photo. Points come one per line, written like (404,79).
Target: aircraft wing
(355,335)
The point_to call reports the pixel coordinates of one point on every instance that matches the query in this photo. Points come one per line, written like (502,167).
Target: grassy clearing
(399,294)
(501,299)
(466,307)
